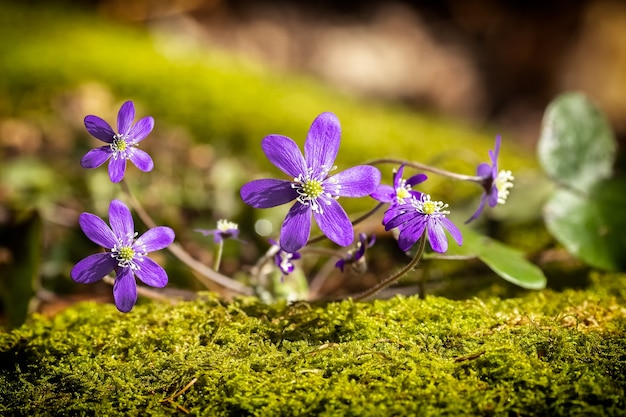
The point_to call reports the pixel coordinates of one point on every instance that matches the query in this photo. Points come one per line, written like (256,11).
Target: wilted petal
(99,129)
(296,228)
(268,192)
(156,238)
(117,168)
(121,220)
(125,118)
(322,142)
(454,231)
(141,159)
(358,181)
(140,130)
(285,154)
(334,223)
(436,235)
(151,273)
(96,157)
(97,230)
(125,290)
(93,268)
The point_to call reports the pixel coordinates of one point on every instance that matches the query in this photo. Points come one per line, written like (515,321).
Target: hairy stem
(395,277)
(428,168)
(205,275)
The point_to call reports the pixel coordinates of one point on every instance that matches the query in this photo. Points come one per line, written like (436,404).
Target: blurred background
(432,81)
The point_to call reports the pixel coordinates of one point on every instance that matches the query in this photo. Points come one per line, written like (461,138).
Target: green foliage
(508,263)
(577,149)
(577,145)
(548,353)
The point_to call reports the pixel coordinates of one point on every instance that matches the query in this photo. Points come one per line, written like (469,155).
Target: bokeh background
(432,81)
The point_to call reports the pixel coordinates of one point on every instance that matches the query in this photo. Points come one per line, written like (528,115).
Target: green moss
(547,353)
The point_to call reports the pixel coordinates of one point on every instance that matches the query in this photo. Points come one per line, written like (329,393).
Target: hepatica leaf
(591,226)
(577,150)
(577,146)
(505,261)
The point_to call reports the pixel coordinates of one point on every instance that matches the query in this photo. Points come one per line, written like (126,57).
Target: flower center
(120,146)
(127,254)
(428,207)
(504,182)
(226,226)
(402,192)
(311,190)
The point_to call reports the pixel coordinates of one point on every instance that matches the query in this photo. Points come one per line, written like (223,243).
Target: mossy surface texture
(543,354)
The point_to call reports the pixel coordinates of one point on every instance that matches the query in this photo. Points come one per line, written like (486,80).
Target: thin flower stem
(354,223)
(218,256)
(449,257)
(392,279)
(205,275)
(428,168)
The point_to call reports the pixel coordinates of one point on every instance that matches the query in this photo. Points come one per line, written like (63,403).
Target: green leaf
(591,227)
(505,261)
(19,277)
(577,146)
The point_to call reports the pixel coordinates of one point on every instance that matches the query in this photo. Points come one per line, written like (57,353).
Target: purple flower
(283,259)
(121,146)
(496,184)
(419,215)
(356,258)
(314,191)
(401,190)
(225,229)
(124,254)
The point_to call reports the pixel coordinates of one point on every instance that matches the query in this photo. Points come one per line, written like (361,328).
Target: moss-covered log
(557,354)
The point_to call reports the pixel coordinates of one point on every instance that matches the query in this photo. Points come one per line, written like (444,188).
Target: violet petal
(117,168)
(484,170)
(156,238)
(121,220)
(436,235)
(358,181)
(99,129)
(285,154)
(97,230)
(334,223)
(125,290)
(125,118)
(140,130)
(268,192)
(96,157)
(93,268)
(141,159)
(481,206)
(416,179)
(411,234)
(322,142)
(151,273)
(454,231)
(296,228)
(384,193)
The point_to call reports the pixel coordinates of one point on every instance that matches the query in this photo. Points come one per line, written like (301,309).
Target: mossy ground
(546,353)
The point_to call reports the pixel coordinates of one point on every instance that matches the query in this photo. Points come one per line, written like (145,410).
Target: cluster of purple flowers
(312,185)
(125,253)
